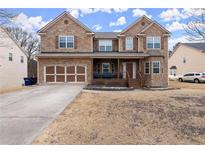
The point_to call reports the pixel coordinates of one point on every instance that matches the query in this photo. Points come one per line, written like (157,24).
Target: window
(153,42)
(66,42)
(112,67)
(184,60)
(105,67)
(22,60)
(186,74)
(105,45)
(189,74)
(129,43)
(156,67)
(62,42)
(173,71)
(10,57)
(147,68)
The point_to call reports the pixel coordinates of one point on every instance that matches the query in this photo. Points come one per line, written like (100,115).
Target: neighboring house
(71,52)
(187,57)
(13,62)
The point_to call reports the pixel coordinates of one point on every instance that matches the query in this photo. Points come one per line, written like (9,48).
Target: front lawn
(131,117)
(187,85)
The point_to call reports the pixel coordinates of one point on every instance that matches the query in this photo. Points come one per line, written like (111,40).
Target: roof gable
(135,22)
(43,29)
(15,42)
(154,23)
(145,28)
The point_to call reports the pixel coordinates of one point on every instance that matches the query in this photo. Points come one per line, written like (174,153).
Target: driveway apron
(24,114)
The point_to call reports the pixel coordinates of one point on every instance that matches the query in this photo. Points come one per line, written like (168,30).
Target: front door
(129,69)
(105,67)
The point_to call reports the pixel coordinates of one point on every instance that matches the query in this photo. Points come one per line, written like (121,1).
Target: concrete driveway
(24,114)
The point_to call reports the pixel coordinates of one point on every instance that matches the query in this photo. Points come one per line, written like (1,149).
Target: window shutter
(123,44)
(97,45)
(134,43)
(162,42)
(75,42)
(114,45)
(56,42)
(144,42)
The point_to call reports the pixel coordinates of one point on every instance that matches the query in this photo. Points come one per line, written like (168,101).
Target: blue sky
(109,19)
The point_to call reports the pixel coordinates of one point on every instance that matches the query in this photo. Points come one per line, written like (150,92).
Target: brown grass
(7,90)
(132,117)
(187,85)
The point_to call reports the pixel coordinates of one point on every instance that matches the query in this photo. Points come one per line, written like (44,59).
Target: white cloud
(140,12)
(74,13)
(97,27)
(120,21)
(170,14)
(188,12)
(173,41)
(85,11)
(176,14)
(175,26)
(30,24)
(117,30)
(105,10)
(120,10)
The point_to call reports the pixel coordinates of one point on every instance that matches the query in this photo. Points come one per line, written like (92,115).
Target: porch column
(124,70)
(134,70)
(91,69)
(118,68)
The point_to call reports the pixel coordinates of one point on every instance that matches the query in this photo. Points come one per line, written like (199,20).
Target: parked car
(196,77)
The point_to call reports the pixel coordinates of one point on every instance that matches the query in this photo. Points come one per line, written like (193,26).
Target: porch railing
(107,75)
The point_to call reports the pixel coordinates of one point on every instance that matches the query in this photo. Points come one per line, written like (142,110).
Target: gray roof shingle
(109,35)
(199,46)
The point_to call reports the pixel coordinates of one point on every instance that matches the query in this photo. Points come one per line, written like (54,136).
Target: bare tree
(28,41)
(6,16)
(5,19)
(195,28)
(33,46)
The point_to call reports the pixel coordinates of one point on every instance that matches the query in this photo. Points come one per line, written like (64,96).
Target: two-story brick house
(71,52)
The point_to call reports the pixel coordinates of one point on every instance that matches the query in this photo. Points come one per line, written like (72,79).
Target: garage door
(72,73)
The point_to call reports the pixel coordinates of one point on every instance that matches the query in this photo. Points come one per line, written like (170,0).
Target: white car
(196,77)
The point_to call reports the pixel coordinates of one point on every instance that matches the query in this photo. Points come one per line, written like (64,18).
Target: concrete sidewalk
(24,114)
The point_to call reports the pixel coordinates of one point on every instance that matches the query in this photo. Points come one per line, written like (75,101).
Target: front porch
(117,72)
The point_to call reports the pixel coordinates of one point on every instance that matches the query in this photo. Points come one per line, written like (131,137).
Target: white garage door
(71,73)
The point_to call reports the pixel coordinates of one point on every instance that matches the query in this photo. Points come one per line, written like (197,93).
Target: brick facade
(86,42)
(161,79)
(49,40)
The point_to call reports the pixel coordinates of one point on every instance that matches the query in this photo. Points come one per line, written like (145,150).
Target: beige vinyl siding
(12,72)
(195,60)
